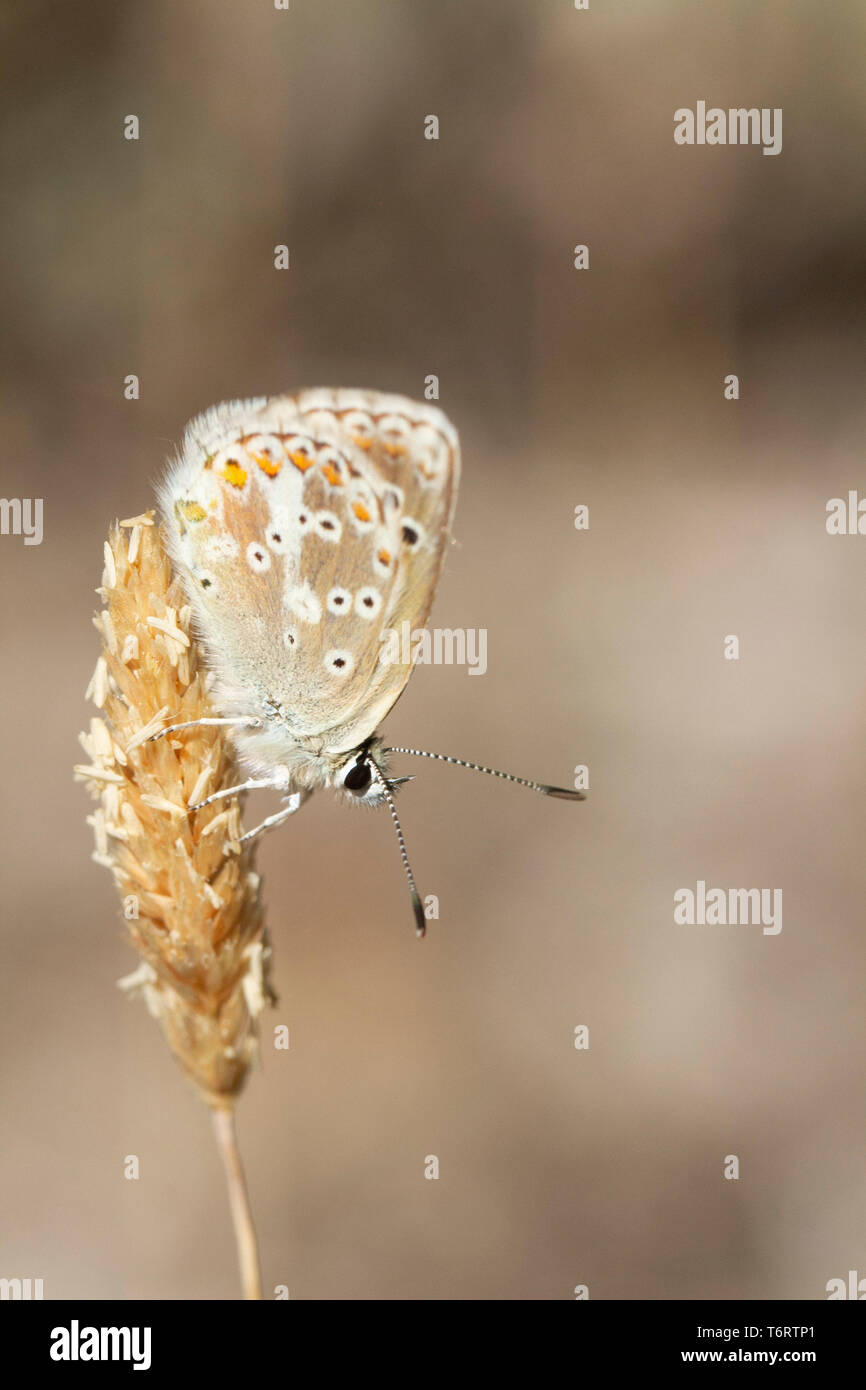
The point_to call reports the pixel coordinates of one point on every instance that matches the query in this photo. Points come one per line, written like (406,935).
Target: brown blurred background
(604,387)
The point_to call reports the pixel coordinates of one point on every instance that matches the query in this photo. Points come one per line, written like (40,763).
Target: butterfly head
(356,777)
(363,777)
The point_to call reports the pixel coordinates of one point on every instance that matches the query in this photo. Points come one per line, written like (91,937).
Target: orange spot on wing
(361,512)
(384,557)
(193,511)
(268,465)
(301,461)
(332,475)
(363,441)
(234,474)
(395,451)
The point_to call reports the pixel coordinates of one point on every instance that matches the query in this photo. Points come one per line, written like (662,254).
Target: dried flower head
(190,893)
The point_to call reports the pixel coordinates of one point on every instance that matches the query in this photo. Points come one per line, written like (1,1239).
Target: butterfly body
(305,527)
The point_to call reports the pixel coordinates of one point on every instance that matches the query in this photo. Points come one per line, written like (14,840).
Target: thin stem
(239,1200)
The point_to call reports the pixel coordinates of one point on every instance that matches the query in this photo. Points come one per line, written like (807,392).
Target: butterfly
(305,529)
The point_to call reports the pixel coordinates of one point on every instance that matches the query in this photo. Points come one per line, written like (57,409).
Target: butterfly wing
(307,528)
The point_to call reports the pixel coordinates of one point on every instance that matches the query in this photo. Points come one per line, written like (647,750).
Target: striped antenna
(564,793)
(417,905)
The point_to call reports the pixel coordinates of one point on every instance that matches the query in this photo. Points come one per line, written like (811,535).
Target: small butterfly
(305,528)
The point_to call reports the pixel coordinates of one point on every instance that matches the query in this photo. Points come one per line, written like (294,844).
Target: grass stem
(242,1216)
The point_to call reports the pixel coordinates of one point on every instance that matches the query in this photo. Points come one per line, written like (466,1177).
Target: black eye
(358,778)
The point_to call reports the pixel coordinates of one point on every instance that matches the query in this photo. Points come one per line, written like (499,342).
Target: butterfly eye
(358,778)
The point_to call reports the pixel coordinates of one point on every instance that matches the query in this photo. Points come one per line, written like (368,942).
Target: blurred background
(602,387)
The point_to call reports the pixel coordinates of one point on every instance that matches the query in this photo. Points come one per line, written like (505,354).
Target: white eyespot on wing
(328,526)
(392,502)
(431,455)
(411,533)
(332,466)
(305,604)
(382,561)
(301,452)
(258,558)
(339,601)
(232,464)
(360,428)
(363,512)
(278,534)
(368,602)
(395,432)
(339,662)
(266,451)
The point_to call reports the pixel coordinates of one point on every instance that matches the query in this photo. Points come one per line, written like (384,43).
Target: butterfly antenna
(417,905)
(563,792)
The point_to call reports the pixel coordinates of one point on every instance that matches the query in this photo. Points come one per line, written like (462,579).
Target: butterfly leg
(295,802)
(255,784)
(247,721)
